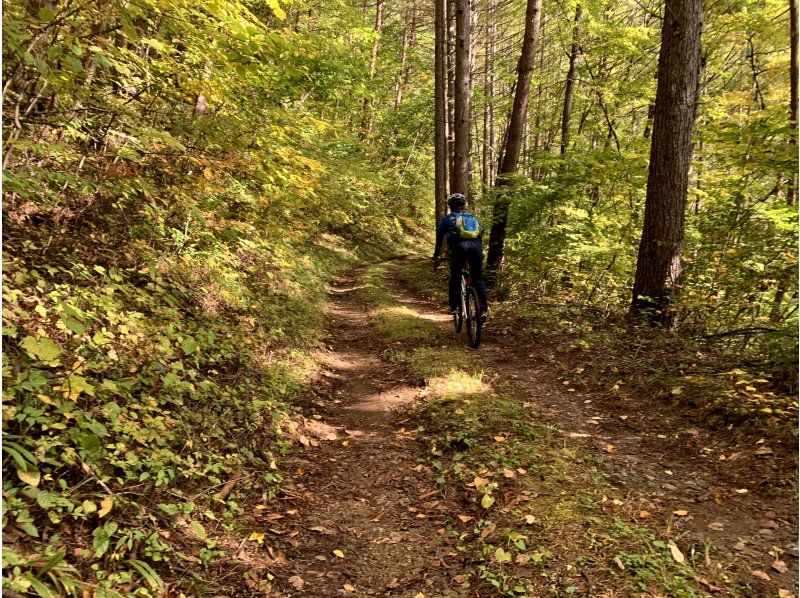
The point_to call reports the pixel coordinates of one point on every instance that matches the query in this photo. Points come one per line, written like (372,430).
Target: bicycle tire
(474,324)
(458,318)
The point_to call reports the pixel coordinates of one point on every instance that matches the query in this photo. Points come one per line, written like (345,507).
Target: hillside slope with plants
(179,184)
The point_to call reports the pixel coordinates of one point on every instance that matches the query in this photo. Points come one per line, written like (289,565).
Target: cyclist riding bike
(463,233)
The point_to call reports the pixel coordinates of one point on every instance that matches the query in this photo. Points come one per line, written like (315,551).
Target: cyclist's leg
(475,257)
(454,288)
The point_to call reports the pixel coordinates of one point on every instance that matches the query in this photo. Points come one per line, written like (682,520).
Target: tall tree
(440,112)
(569,88)
(515,131)
(658,268)
(366,120)
(488,105)
(794,73)
(462,138)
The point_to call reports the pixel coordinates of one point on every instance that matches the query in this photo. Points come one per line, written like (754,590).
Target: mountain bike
(469,309)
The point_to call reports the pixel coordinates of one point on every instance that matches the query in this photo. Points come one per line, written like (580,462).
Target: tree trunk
(451,86)
(794,69)
(488,92)
(462,93)
(440,129)
(366,119)
(513,143)
(569,90)
(658,267)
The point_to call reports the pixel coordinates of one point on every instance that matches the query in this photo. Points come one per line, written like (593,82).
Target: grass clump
(400,323)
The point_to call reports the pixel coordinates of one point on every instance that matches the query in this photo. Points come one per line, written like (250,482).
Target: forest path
(367,518)
(360,487)
(727,490)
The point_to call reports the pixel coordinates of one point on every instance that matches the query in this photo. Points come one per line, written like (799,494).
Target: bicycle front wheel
(473,317)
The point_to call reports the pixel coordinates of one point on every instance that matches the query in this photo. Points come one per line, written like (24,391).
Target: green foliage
(180,183)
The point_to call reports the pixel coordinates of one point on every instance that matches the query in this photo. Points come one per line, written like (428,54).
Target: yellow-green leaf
(31,477)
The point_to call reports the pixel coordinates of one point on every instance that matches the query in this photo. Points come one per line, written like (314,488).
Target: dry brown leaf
(681,512)
(780,566)
(760,575)
(676,553)
(338,553)
(644,514)
(464,518)
(609,448)
(618,563)
(349,588)
(296,582)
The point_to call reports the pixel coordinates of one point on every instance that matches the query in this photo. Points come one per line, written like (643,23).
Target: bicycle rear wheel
(473,314)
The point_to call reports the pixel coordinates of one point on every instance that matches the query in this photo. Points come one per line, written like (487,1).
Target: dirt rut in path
(365,516)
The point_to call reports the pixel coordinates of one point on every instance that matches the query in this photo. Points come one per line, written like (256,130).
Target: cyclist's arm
(441,230)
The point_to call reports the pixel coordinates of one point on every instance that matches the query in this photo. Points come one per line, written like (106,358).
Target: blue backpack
(465,225)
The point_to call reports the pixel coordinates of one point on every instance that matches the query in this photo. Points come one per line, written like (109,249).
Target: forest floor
(427,469)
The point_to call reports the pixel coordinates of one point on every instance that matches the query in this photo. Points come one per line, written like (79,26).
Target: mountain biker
(464,241)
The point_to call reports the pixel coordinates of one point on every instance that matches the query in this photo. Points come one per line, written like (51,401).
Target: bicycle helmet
(456,201)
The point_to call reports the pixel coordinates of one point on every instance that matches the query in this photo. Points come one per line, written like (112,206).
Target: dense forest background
(181,179)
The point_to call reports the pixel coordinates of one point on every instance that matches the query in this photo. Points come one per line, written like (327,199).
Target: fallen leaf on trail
(338,553)
(677,390)
(624,417)
(487,501)
(710,586)
(780,566)
(522,559)
(722,458)
(345,442)
(507,473)
(741,491)
(609,448)
(303,440)
(760,575)
(419,595)
(676,553)
(478,482)
(618,563)
(348,588)
(501,556)
(256,537)
(681,512)
(566,382)
(500,438)
(644,514)
(105,506)
(764,450)
(464,518)
(784,593)
(717,526)
(530,519)
(296,582)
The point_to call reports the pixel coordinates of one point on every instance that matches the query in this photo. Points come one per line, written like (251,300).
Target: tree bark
(488,92)
(440,128)
(462,100)
(451,85)
(513,145)
(794,70)
(569,89)
(658,268)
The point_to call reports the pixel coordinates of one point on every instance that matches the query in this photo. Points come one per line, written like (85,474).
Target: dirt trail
(360,486)
(739,495)
(357,488)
